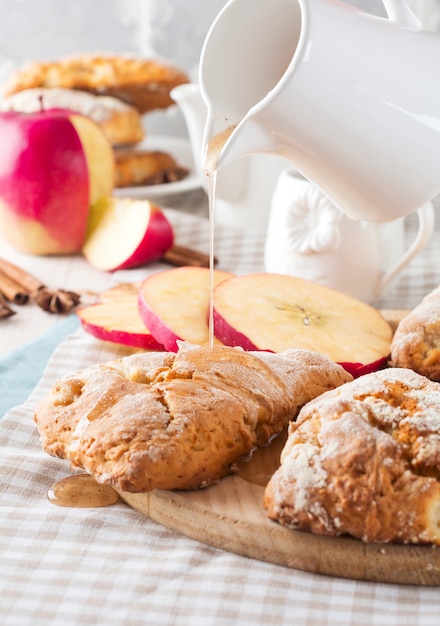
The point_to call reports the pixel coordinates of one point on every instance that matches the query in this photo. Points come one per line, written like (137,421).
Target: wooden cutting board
(230,516)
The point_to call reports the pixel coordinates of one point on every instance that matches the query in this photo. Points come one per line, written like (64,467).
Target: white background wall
(47,29)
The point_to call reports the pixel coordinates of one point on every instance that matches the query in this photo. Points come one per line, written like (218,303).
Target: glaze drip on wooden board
(262,462)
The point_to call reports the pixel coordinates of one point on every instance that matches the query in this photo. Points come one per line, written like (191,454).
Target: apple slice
(174,304)
(116,318)
(124,233)
(276,312)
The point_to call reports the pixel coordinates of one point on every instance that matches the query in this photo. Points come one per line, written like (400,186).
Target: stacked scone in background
(117,92)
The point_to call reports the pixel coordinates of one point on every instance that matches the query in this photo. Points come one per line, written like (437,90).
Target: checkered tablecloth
(114,567)
(420,276)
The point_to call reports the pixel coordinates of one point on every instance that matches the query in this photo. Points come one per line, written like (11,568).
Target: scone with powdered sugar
(364,460)
(178,421)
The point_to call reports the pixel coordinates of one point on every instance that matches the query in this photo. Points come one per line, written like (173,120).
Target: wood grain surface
(230,516)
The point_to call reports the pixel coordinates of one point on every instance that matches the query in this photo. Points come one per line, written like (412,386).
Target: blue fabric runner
(21,369)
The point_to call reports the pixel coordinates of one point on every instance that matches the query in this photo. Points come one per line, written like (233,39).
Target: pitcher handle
(398,11)
(426,228)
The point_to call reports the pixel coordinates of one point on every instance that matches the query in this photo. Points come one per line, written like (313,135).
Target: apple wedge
(276,312)
(54,165)
(174,304)
(123,233)
(116,319)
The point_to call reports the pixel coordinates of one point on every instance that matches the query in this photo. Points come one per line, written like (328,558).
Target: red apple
(116,319)
(174,304)
(53,166)
(276,312)
(124,233)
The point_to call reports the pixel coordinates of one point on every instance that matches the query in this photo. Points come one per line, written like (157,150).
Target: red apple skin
(232,337)
(158,238)
(110,244)
(360,369)
(195,326)
(160,331)
(145,341)
(43,178)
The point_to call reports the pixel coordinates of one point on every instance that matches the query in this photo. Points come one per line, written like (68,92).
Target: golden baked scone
(364,460)
(416,342)
(144,83)
(121,123)
(146,167)
(177,421)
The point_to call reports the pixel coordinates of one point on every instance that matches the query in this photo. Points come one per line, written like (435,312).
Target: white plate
(180,149)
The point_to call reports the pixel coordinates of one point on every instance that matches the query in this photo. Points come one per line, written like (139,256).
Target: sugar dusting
(393,415)
(149,410)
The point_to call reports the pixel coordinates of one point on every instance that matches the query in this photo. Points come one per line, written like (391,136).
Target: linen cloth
(112,566)
(21,369)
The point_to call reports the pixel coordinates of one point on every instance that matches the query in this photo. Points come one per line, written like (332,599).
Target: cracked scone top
(145,84)
(177,421)
(364,460)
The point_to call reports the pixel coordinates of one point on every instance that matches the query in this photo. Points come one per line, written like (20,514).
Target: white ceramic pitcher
(244,188)
(309,237)
(350,99)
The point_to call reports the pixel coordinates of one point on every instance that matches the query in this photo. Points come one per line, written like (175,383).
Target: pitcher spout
(235,142)
(232,184)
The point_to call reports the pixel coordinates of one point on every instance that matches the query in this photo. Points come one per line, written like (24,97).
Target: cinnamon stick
(180,256)
(5,309)
(28,282)
(52,301)
(13,291)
